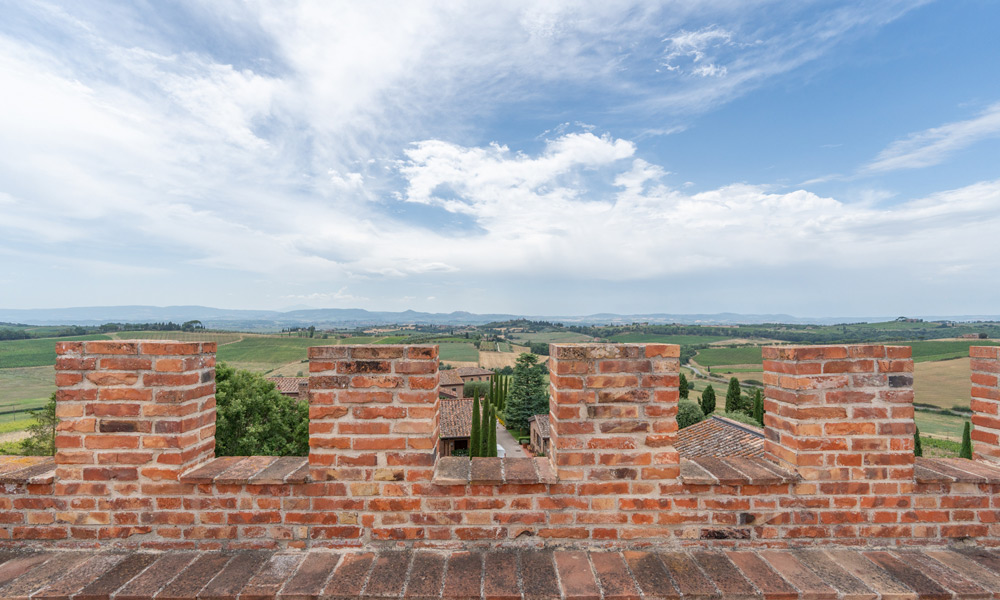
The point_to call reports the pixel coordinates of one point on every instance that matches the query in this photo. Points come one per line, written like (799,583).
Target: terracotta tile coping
(954,470)
(528,573)
(27,469)
(459,470)
(733,470)
(250,470)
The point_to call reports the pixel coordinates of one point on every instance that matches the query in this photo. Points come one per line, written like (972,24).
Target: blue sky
(811,158)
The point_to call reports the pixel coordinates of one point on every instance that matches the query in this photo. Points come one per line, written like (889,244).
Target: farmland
(717,357)
(458,352)
(942,350)
(551,337)
(656,338)
(944,383)
(36,352)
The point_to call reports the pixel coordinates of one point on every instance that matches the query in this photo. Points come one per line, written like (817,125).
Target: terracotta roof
(719,437)
(288,385)
(456,418)
(445,392)
(464,372)
(543,424)
(449,377)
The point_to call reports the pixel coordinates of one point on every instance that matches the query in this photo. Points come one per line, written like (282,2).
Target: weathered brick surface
(137,470)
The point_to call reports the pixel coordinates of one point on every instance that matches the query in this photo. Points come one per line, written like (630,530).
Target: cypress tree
(474,438)
(492,437)
(733,395)
(494,392)
(484,434)
(758,407)
(966,451)
(682,387)
(918,448)
(708,400)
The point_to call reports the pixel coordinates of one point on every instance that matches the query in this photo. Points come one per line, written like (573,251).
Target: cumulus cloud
(553,221)
(933,146)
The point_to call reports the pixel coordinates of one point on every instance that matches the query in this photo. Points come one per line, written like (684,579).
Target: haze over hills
(220,318)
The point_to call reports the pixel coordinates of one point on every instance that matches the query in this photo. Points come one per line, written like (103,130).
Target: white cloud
(649,230)
(933,146)
(326,298)
(154,147)
(694,47)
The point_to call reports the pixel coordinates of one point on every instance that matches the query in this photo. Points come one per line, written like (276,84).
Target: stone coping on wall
(954,470)
(733,470)
(29,470)
(459,470)
(931,573)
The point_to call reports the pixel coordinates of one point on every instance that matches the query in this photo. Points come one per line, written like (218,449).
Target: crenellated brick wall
(135,463)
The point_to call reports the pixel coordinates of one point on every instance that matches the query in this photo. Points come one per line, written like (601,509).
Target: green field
(552,337)
(181,336)
(35,353)
(940,425)
(927,351)
(684,340)
(458,352)
(268,350)
(716,357)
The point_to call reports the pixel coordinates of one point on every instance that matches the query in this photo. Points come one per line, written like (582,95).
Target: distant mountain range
(220,318)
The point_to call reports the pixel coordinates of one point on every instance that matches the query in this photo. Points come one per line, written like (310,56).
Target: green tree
(918,448)
(475,438)
(966,451)
(733,395)
(708,400)
(480,388)
(42,441)
(527,393)
(688,413)
(252,418)
(758,407)
(493,434)
(683,387)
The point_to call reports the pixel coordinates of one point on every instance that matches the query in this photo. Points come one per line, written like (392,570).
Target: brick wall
(985,362)
(134,417)
(135,466)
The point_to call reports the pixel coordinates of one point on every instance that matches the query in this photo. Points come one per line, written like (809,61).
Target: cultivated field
(655,338)
(942,383)
(458,352)
(219,338)
(718,357)
(552,337)
(35,353)
(497,360)
(941,350)
(947,427)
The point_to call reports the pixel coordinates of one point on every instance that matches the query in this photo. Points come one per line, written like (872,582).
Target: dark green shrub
(688,413)
(966,451)
(252,418)
(708,400)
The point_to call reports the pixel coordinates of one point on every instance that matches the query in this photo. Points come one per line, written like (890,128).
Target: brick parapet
(613,411)
(133,417)
(347,493)
(373,414)
(985,364)
(841,413)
